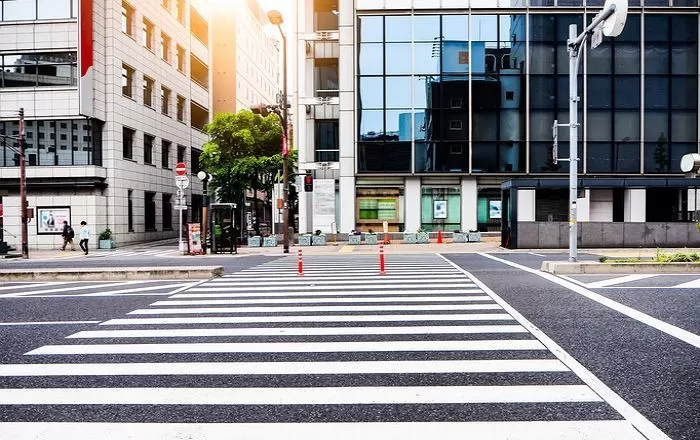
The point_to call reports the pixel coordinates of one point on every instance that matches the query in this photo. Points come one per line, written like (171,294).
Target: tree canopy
(244,153)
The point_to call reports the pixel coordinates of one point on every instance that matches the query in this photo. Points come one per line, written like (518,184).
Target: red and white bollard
(300,263)
(382,270)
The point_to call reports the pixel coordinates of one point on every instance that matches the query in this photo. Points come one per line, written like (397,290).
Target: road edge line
(634,417)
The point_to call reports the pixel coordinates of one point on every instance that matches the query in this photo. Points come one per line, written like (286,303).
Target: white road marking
(646,427)
(326,273)
(529,430)
(308,318)
(297,331)
(301,281)
(618,280)
(47,323)
(296,294)
(536,254)
(335,276)
(29,285)
(573,280)
(141,289)
(328,288)
(299,396)
(290,347)
(264,368)
(314,309)
(72,288)
(695,284)
(403,299)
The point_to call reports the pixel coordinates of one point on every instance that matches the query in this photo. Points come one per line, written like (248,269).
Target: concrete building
(404,106)
(115,94)
(245,59)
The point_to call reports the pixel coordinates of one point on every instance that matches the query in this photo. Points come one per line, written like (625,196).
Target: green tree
(244,153)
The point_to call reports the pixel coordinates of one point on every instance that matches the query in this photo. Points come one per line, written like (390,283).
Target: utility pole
(23,188)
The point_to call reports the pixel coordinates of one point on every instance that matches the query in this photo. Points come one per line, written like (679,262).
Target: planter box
(474,237)
(269,241)
(422,237)
(410,237)
(371,239)
(106,244)
(354,239)
(318,240)
(254,241)
(460,237)
(305,240)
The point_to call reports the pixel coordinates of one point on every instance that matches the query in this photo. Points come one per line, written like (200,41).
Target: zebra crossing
(69,289)
(424,351)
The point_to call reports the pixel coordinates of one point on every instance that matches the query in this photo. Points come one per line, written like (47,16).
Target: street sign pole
(182,182)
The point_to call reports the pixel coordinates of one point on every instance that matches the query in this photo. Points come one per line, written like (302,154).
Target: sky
(286,7)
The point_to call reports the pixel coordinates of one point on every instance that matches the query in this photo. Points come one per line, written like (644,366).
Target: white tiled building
(108,115)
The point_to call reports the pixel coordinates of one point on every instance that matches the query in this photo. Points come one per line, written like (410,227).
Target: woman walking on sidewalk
(84,236)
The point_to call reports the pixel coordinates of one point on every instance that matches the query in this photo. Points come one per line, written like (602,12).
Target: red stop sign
(180,169)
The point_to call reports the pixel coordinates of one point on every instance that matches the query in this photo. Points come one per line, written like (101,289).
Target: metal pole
(23,188)
(574,50)
(181,245)
(203,220)
(285,157)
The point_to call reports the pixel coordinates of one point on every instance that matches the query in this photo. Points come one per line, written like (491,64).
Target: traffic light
(308,183)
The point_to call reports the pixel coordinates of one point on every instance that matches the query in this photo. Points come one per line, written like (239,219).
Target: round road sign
(181,169)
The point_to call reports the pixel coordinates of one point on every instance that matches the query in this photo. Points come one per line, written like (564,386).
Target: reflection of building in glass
(450,106)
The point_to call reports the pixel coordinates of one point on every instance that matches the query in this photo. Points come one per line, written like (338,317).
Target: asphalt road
(344,344)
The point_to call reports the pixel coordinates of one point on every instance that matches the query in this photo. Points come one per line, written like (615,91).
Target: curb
(108,274)
(592,267)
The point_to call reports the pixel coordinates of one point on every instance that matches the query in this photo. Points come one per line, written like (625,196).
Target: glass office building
(452,98)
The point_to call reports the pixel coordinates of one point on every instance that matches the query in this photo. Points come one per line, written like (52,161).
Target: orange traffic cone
(439,236)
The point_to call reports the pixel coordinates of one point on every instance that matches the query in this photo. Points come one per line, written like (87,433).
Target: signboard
(323,204)
(194,238)
(440,209)
(50,220)
(494,209)
(182,182)
(180,169)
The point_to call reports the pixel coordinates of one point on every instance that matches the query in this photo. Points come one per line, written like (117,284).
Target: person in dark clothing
(67,235)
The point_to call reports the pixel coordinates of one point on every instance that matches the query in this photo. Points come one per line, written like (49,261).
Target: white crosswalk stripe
(340,347)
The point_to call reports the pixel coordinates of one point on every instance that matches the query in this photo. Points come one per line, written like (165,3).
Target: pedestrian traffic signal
(308,183)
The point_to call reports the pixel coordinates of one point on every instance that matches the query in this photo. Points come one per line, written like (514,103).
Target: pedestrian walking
(84,236)
(67,234)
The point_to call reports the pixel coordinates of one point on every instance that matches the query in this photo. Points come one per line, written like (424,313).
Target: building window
(165,47)
(150,210)
(165,100)
(148,149)
(127,19)
(165,154)
(167,211)
(326,140)
(128,143)
(148,86)
(199,27)
(199,116)
(127,81)
(326,77)
(42,69)
(165,4)
(181,102)
(181,54)
(130,210)
(181,151)
(456,103)
(455,124)
(199,72)
(148,31)
(194,159)
(180,5)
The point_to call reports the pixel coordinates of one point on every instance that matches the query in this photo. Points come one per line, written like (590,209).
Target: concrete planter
(269,241)
(106,244)
(371,239)
(410,237)
(254,241)
(474,237)
(423,237)
(354,239)
(305,240)
(318,240)
(460,237)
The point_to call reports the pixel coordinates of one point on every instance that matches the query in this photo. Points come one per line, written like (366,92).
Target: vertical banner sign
(323,204)
(85,59)
(194,238)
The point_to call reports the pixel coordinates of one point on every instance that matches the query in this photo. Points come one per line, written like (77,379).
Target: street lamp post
(609,22)
(205,178)
(23,188)
(275,18)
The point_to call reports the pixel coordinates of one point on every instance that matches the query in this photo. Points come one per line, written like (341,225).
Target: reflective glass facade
(478,93)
